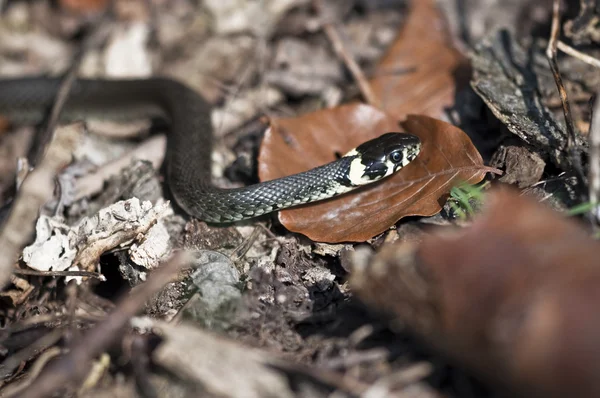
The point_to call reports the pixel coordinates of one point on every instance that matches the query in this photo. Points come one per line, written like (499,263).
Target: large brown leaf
(297,144)
(84,6)
(416,76)
(418,73)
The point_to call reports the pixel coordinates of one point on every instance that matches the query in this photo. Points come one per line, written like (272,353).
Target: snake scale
(189,144)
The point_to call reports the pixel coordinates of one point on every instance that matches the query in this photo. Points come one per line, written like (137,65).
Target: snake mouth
(375,171)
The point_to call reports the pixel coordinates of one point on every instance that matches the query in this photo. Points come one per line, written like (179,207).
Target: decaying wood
(512,297)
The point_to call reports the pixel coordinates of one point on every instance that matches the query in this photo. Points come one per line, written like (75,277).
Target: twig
(551,55)
(16,359)
(99,34)
(13,389)
(60,273)
(51,155)
(594,172)
(338,46)
(577,54)
(356,358)
(74,366)
(398,380)
(243,247)
(48,319)
(571,149)
(345,383)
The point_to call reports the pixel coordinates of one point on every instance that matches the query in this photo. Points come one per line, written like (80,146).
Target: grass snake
(189,144)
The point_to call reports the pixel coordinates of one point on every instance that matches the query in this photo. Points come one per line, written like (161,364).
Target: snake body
(189,144)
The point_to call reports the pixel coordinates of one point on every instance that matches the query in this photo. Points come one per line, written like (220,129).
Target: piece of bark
(503,77)
(59,246)
(521,166)
(221,367)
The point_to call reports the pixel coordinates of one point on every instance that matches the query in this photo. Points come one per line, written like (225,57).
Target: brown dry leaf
(84,6)
(418,73)
(4,125)
(514,297)
(298,144)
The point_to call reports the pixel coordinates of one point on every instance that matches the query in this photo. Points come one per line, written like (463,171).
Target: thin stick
(594,172)
(74,366)
(15,360)
(551,55)
(571,148)
(577,54)
(99,34)
(334,37)
(13,389)
(60,273)
(243,247)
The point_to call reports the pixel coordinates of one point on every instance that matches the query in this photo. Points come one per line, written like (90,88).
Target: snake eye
(396,156)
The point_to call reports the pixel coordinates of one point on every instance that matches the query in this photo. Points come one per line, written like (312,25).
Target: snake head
(381,157)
